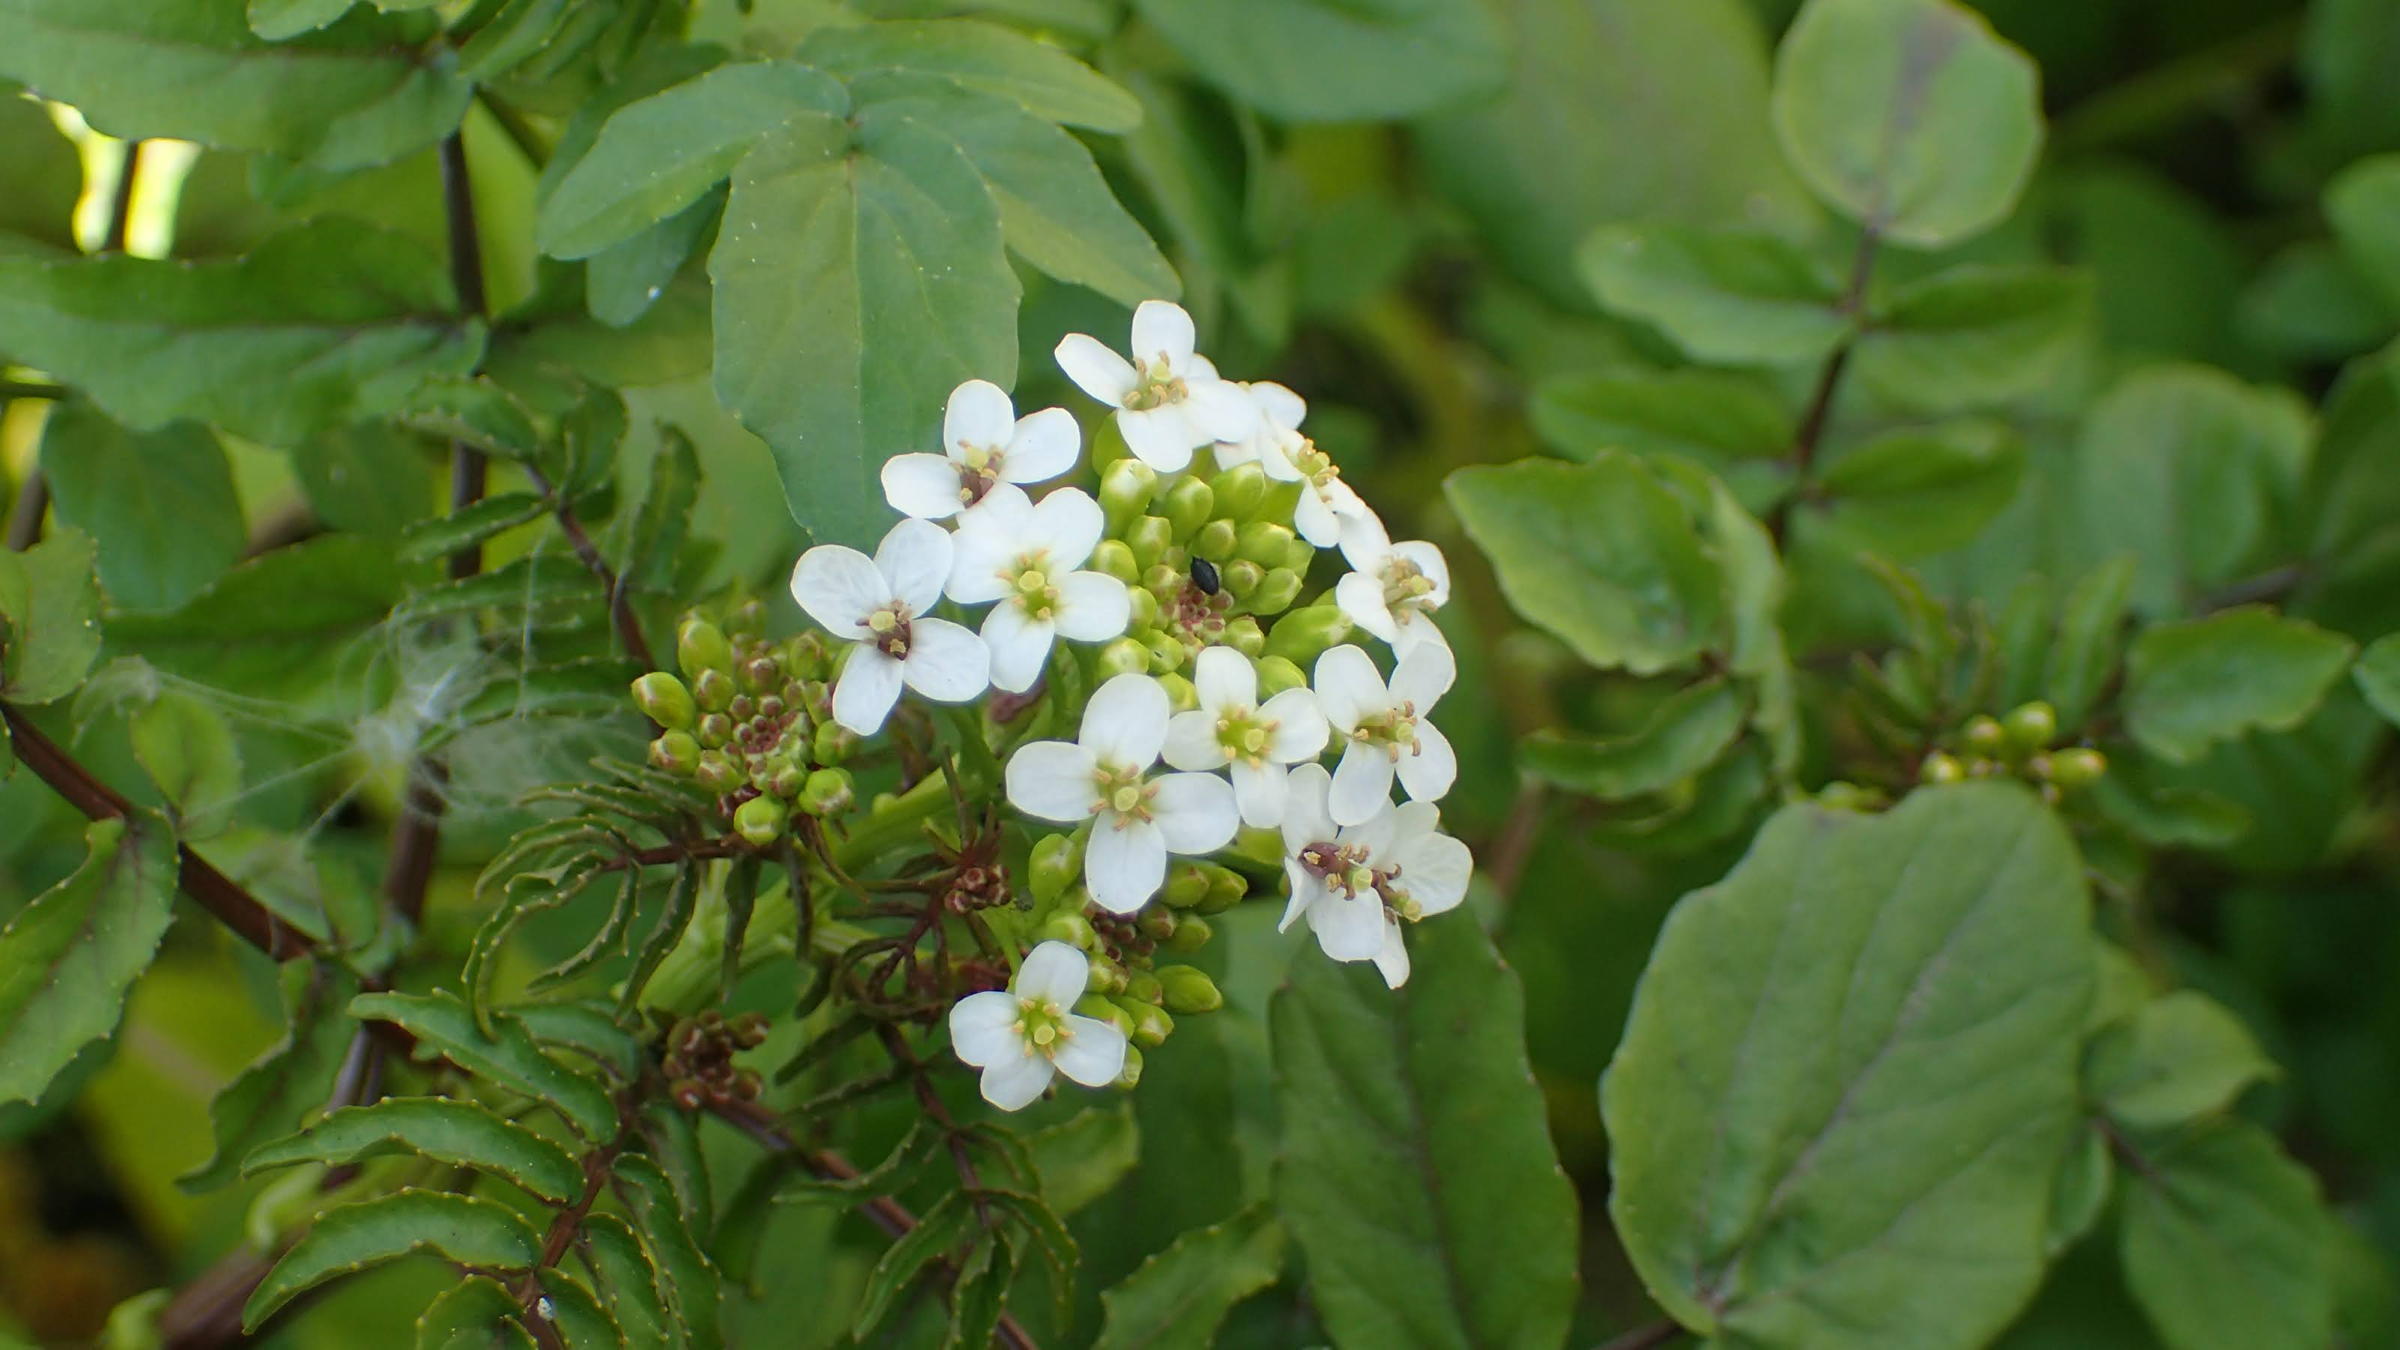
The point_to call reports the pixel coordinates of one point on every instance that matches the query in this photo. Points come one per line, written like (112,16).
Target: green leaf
(1907,494)
(1732,296)
(2091,624)
(1717,419)
(982,57)
(1684,734)
(270,625)
(1849,1075)
(188,749)
(1178,1298)
(2183,466)
(2378,676)
(684,1271)
(350,1238)
(359,93)
(2181,1056)
(69,956)
(371,478)
(1417,1173)
(292,1079)
(1975,335)
(2227,1245)
(938,1230)
(2080,1191)
(1338,60)
(622,281)
(445,535)
(876,264)
(51,608)
(586,1028)
(2362,204)
(1600,554)
(327,323)
(577,1316)
(1082,1158)
(627,1281)
(2189,685)
(1909,116)
(160,506)
(476,1313)
(656,157)
(276,20)
(45,178)
(459,1133)
(508,1055)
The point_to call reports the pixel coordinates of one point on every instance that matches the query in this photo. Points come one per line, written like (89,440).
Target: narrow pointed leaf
(1178,1298)
(459,1133)
(507,1056)
(350,1238)
(68,957)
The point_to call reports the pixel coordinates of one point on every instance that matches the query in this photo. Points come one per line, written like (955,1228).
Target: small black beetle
(1204,576)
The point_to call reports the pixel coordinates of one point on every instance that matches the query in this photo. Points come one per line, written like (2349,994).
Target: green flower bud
(1166,653)
(1240,578)
(1264,847)
(1264,542)
(1143,986)
(713,690)
(1214,541)
(1056,865)
(760,675)
(1114,558)
(1155,922)
(1191,933)
(832,743)
(1125,656)
(1302,636)
(1186,886)
(676,752)
(1245,636)
(1148,537)
(1125,491)
(1072,929)
(1300,556)
(760,820)
(716,772)
(788,781)
(1131,1075)
(806,657)
(663,699)
(2031,726)
(746,619)
(1145,608)
(2077,766)
(1151,1024)
(715,729)
(1239,490)
(1275,594)
(1187,506)
(1163,582)
(1105,1009)
(1226,888)
(742,709)
(1182,696)
(828,792)
(1276,674)
(1107,976)
(700,646)
(1189,990)
(1984,736)
(1940,768)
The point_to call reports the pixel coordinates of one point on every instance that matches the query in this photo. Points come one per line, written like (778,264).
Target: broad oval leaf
(2362,204)
(68,957)
(2180,1056)
(983,57)
(160,504)
(1338,60)
(51,606)
(2192,684)
(2226,1244)
(507,1055)
(270,626)
(459,1133)
(2378,676)
(1849,1075)
(350,1238)
(1908,115)
(1177,1299)
(1974,335)
(1417,1172)
(1739,297)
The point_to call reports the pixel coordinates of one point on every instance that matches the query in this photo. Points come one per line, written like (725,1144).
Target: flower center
(1395,729)
(1314,465)
(887,628)
(1244,736)
(1035,588)
(1121,792)
(1405,585)
(1155,386)
(1042,1026)
(978,472)
(1342,867)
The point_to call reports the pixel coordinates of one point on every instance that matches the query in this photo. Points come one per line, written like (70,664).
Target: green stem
(893,822)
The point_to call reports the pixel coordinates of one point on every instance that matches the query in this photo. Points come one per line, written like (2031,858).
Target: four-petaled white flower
(1325,500)
(1396,588)
(1232,729)
(1025,555)
(1019,1038)
(986,445)
(1385,728)
(880,606)
(1279,411)
(1104,776)
(1358,883)
(1169,401)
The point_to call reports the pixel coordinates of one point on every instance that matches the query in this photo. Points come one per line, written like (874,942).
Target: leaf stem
(620,608)
(1646,1337)
(1819,413)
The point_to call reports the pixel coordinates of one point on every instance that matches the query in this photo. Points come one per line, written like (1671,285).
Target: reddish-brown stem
(620,606)
(1819,413)
(1648,1337)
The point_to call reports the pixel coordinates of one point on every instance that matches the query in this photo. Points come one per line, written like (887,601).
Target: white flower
(1325,500)
(1169,401)
(987,445)
(1279,410)
(1025,556)
(1358,883)
(1231,727)
(1397,586)
(1386,728)
(880,605)
(1019,1038)
(1104,776)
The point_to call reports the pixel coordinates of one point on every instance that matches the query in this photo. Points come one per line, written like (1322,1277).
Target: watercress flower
(1385,727)
(1232,730)
(1021,1037)
(879,605)
(1396,588)
(985,444)
(1169,400)
(1026,555)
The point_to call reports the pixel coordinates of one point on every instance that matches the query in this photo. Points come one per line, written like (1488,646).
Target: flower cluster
(1163,629)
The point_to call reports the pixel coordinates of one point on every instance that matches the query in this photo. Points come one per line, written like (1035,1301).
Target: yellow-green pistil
(1244,736)
(1036,589)
(1395,730)
(1042,1026)
(1122,793)
(1155,386)
(887,628)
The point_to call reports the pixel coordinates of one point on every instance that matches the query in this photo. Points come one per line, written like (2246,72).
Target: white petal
(1315,521)
(984,555)
(1364,542)
(1093,606)
(1348,686)
(1280,406)
(1013,1084)
(978,414)
(915,558)
(1052,780)
(1243,451)
(1428,773)
(1275,454)
(1258,789)
(1192,741)
(946,663)
(1362,784)
(1360,597)
(1423,676)
(1417,629)
(1299,726)
(1194,812)
(1391,962)
(1044,447)
(839,587)
(1126,721)
(1374,834)
(1348,929)
(1095,369)
(1092,1052)
(1226,681)
(1020,645)
(983,1027)
(1305,892)
(924,486)
(1306,819)
(1053,972)
(869,686)
(1125,864)
(1221,410)
(1428,560)
(1161,329)
(1069,524)
(1434,870)
(1160,437)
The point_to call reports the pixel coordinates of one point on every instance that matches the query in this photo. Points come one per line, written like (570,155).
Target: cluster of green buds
(750,721)
(696,1055)
(1210,561)
(2021,744)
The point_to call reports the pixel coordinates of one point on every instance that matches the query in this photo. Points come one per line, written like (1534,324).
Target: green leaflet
(1323,61)
(685,1274)
(1177,1298)
(2189,685)
(292,1079)
(68,957)
(189,751)
(2226,1243)
(350,1238)
(2181,1056)
(460,1133)
(1084,1157)
(507,1055)
(474,1314)
(1741,297)
(160,505)
(982,57)
(52,613)
(274,625)
(1685,734)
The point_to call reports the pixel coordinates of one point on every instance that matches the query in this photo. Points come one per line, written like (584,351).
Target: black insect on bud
(1204,576)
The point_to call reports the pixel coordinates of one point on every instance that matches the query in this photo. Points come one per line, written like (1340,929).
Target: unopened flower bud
(1155,922)
(713,690)
(1303,635)
(1239,490)
(1131,1075)
(1187,506)
(828,792)
(1167,653)
(1186,886)
(1163,582)
(1940,768)
(1984,736)
(743,708)
(1245,636)
(746,619)
(1189,990)
(1125,491)
(1107,976)
(1142,986)
(1151,1023)
(676,752)
(1264,542)
(760,820)
(1071,929)
(806,657)
(787,781)
(664,700)
(1214,541)
(2031,726)
(1241,577)
(717,772)
(1182,696)
(1144,608)
(1300,555)
(761,674)
(1105,1009)
(1275,594)
(1148,537)
(715,729)
(1191,932)
(1116,559)
(1125,656)
(699,646)
(2077,766)
(832,743)
(1226,888)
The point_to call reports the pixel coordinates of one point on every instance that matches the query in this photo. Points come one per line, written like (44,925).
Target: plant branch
(32,389)
(467,467)
(620,607)
(1819,413)
(1646,1337)
(25,518)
